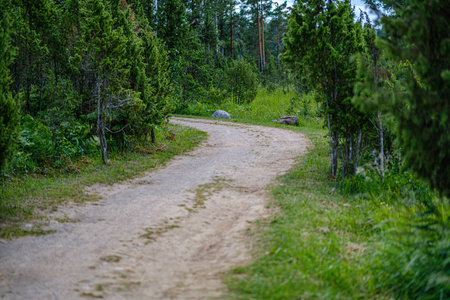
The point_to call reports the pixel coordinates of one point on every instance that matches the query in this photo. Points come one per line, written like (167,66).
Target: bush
(196,109)
(40,145)
(244,81)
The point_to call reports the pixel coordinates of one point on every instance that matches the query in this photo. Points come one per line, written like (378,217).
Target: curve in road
(170,234)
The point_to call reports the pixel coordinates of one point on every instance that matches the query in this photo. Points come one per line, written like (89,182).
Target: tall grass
(267,106)
(359,238)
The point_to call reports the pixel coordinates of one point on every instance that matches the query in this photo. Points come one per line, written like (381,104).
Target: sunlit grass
(266,106)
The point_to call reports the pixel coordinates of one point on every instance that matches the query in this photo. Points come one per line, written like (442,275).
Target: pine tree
(9,110)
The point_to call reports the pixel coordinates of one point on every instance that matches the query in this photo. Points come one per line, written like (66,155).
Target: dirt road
(168,235)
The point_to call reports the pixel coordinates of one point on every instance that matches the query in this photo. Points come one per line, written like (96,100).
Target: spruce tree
(149,74)
(9,110)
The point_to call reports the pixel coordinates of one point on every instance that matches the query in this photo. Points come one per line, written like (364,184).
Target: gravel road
(170,234)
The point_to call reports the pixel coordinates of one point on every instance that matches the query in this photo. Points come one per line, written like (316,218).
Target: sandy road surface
(170,234)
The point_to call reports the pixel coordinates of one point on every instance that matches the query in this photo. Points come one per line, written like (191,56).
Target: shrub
(40,145)
(244,81)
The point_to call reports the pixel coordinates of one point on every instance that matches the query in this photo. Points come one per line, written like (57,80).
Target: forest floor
(170,234)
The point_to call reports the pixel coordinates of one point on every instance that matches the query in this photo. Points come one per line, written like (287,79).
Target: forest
(91,79)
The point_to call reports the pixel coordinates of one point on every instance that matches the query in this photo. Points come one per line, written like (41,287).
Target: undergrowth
(357,238)
(267,106)
(31,195)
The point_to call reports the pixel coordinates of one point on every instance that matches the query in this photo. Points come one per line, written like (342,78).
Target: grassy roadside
(29,198)
(358,238)
(314,248)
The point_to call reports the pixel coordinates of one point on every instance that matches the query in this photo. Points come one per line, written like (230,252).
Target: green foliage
(9,110)
(419,35)
(360,238)
(172,26)
(316,246)
(321,39)
(42,146)
(265,108)
(25,198)
(243,81)
(413,232)
(197,109)
(159,103)
(416,252)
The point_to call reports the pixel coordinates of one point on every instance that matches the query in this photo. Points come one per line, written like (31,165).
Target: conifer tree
(9,110)
(172,26)
(374,89)
(419,34)
(321,38)
(148,72)
(159,104)
(102,51)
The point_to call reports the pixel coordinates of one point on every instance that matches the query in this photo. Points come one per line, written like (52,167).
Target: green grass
(314,248)
(32,196)
(266,106)
(352,239)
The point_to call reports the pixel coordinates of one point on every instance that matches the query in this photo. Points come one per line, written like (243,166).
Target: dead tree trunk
(334,161)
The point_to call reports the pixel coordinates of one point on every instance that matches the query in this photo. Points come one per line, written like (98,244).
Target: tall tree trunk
(153,135)
(334,144)
(259,38)
(278,48)
(348,156)
(334,162)
(262,37)
(380,123)
(231,35)
(100,124)
(100,117)
(330,133)
(263,51)
(217,34)
(381,134)
(358,146)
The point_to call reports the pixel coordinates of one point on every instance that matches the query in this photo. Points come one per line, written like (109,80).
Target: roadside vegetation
(357,238)
(365,214)
(31,197)
(86,88)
